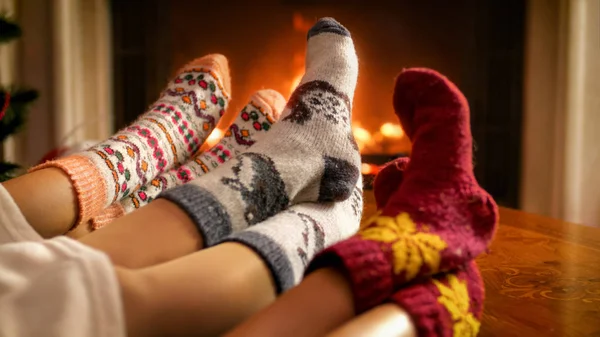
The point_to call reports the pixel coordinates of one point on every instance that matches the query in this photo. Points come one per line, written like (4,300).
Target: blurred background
(529,68)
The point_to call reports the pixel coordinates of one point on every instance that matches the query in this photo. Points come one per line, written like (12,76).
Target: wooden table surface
(542,277)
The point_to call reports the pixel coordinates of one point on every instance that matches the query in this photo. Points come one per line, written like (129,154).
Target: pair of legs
(418,252)
(168,287)
(192,294)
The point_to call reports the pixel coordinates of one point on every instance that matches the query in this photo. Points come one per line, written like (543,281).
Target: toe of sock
(273,99)
(388,180)
(419,87)
(217,63)
(327,25)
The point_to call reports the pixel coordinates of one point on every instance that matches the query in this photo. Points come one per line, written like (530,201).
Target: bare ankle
(137,306)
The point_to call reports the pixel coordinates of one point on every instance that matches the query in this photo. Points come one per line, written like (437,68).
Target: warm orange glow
(295,82)
(214,137)
(369,169)
(391,130)
(362,137)
(301,24)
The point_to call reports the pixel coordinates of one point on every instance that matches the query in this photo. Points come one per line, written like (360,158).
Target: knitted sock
(438,218)
(166,135)
(449,304)
(388,180)
(310,155)
(256,118)
(290,239)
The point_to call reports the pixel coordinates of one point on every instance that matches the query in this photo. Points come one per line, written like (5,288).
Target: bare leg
(322,302)
(387,320)
(156,233)
(203,294)
(46,199)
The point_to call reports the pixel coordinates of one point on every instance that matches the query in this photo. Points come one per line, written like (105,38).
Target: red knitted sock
(388,180)
(439,218)
(439,196)
(446,305)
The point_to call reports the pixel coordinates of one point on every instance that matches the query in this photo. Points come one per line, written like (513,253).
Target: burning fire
(382,141)
(301,25)
(388,139)
(391,130)
(214,137)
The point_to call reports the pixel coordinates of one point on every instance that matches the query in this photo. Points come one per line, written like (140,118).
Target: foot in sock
(448,304)
(388,180)
(168,134)
(290,239)
(430,307)
(439,217)
(309,155)
(255,119)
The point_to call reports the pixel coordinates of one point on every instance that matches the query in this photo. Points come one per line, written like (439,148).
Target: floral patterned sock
(254,120)
(168,134)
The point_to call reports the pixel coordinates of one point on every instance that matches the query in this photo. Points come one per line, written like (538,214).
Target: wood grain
(542,277)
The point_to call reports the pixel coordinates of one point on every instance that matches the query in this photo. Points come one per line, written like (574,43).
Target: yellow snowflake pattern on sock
(411,248)
(455,298)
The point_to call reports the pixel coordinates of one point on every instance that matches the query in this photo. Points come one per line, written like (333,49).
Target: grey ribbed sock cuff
(209,215)
(273,255)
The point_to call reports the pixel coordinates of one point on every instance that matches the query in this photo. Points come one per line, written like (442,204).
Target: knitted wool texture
(309,156)
(290,239)
(448,304)
(166,135)
(439,218)
(256,118)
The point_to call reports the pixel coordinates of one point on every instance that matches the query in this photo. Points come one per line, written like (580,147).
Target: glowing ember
(391,130)
(301,25)
(295,82)
(369,169)
(214,137)
(362,137)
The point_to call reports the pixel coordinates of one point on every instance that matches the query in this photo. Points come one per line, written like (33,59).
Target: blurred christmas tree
(13,102)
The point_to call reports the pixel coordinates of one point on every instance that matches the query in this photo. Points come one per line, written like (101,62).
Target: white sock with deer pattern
(309,156)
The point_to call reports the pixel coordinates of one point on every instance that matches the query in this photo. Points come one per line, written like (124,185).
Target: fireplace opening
(477,44)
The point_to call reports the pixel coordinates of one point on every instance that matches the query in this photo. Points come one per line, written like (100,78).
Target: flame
(362,137)
(299,66)
(391,130)
(214,137)
(301,25)
(366,168)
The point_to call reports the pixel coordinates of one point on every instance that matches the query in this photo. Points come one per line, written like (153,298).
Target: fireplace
(478,44)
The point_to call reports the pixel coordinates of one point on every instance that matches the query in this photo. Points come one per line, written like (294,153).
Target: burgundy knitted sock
(439,218)
(439,194)
(449,304)
(388,180)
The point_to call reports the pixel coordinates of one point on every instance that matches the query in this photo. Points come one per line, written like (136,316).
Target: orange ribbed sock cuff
(87,183)
(108,215)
